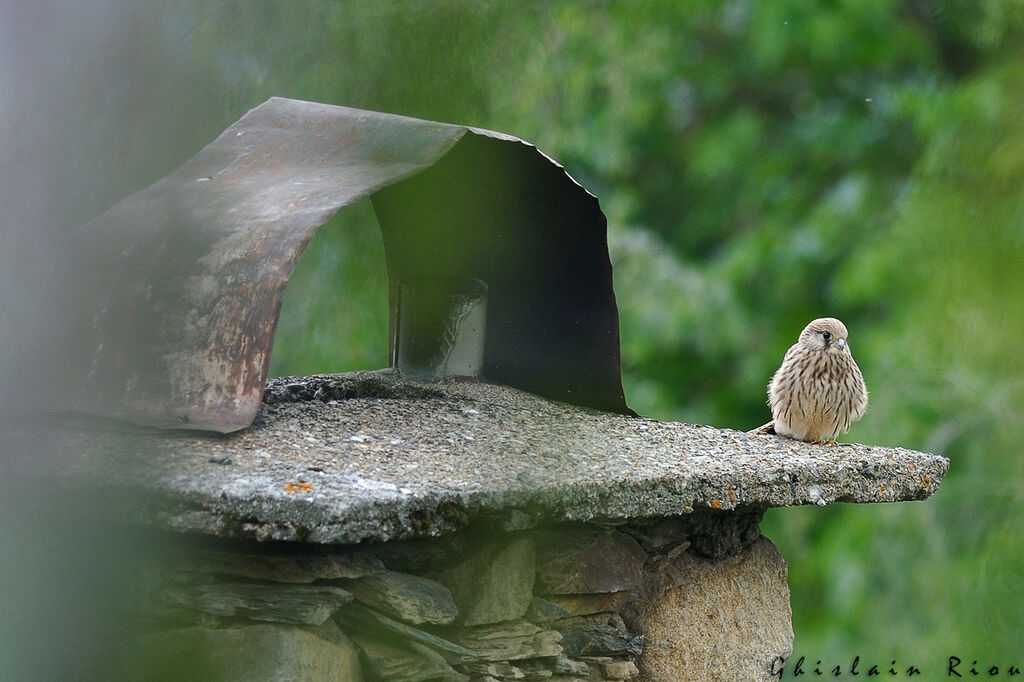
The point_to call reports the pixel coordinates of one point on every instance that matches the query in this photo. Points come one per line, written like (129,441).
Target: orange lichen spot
(715,504)
(926,481)
(294,487)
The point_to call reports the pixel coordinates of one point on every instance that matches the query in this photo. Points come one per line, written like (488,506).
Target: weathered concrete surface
(369,456)
(725,620)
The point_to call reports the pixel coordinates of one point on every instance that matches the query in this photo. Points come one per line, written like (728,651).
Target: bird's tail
(764,430)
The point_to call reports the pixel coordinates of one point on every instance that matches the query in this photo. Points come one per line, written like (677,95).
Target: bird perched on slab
(818,391)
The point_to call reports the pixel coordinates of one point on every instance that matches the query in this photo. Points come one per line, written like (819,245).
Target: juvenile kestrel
(818,391)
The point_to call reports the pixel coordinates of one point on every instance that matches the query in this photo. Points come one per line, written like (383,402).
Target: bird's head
(825,333)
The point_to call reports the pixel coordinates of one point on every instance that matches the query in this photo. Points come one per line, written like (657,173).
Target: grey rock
(567,666)
(550,667)
(511,641)
(300,604)
(280,568)
(573,560)
(724,620)
(594,639)
(376,467)
(411,598)
(545,611)
(500,670)
(419,555)
(585,604)
(257,653)
(329,632)
(405,662)
(358,618)
(495,581)
(536,670)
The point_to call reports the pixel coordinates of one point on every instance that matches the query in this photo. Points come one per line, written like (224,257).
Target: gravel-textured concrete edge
(368,456)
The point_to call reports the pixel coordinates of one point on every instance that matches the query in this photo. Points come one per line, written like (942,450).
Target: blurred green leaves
(761,164)
(337,300)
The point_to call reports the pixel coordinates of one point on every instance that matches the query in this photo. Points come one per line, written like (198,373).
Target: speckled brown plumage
(819,390)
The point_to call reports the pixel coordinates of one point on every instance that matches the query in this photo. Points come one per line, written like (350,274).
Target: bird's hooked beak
(841,343)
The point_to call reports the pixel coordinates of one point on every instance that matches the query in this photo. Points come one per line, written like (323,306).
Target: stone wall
(701,596)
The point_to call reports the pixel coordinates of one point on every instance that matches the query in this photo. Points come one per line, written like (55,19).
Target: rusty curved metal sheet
(181,283)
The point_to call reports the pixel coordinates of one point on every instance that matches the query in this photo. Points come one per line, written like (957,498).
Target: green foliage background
(761,163)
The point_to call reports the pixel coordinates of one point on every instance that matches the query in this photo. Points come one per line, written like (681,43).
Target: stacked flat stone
(532,605)
(557,603)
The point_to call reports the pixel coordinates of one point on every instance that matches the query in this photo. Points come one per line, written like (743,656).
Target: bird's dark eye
(827,336)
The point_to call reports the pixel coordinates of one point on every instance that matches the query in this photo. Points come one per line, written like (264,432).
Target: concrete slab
(369,456)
